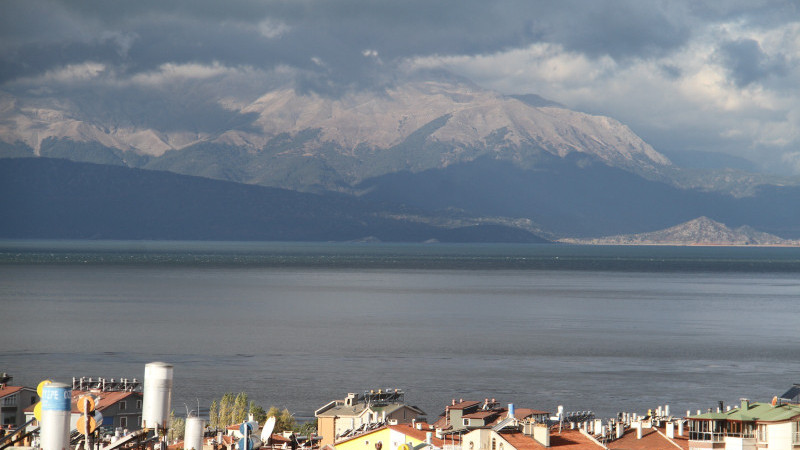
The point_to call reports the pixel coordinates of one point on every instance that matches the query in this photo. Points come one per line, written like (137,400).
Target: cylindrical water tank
(157,395)
(54,426)
(193,437)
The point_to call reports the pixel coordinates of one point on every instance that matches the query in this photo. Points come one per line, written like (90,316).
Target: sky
(718,76)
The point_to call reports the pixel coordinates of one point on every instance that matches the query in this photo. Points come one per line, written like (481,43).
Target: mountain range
(439,154)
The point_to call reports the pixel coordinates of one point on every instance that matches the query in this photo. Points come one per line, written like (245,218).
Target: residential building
(464,415)
(359,413)
(120,409)
(13,401)
(528,435)
(751,426)
(393,437)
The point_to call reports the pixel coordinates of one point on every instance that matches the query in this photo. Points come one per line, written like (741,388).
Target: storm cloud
(685,75)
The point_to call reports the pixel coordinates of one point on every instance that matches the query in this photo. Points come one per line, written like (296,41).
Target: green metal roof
(752,412)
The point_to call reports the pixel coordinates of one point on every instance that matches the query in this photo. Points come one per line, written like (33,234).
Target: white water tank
(54,426)
(193,438)
(157,395)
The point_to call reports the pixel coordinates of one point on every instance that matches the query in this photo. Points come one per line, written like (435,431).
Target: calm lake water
(606,329)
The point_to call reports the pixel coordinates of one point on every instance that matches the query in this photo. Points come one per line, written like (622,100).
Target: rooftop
(652,438)
(565,440)
(9,390)
(754,412)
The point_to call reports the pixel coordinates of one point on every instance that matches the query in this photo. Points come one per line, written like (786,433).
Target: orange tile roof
(464,404)
(421,435)
(566,440)
(483,414)
(651,440)
(405,429)
(104,399)
(522,413)
(8,390)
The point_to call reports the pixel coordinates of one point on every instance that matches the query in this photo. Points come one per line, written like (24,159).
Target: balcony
(706,436)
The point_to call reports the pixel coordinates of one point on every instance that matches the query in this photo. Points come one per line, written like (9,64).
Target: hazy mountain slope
(578,196)
(59,199)
(700,231)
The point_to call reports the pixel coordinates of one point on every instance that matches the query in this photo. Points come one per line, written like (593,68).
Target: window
(123,422)
(138,404)
(494,444)
(11,400)
(466,422)
(796,433)
(123,405)
(139,421)
(762,432)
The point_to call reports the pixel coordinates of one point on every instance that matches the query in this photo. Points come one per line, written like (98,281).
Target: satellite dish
(266,432)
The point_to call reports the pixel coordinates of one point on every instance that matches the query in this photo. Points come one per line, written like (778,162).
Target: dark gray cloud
(690,68)
(145,34)
(748,63)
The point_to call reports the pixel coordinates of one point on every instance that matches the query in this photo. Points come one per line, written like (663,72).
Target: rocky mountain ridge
(452,122)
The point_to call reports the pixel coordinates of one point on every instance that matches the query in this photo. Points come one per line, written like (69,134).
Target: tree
(259,415)
(307,428)
(213,415)
(177,427)
(226,409)
(241,406)
(232,409)
(285,420)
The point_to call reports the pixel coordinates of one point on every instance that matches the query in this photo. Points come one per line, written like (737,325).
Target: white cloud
(697,97)
(69,74)
(271,29)
(171,72)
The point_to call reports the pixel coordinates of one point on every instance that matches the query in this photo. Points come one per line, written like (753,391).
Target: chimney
(670,430)
(666,410)
(429,439)
(620,430)
(638,430)
(745,404)
(680,428)
(511,411)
